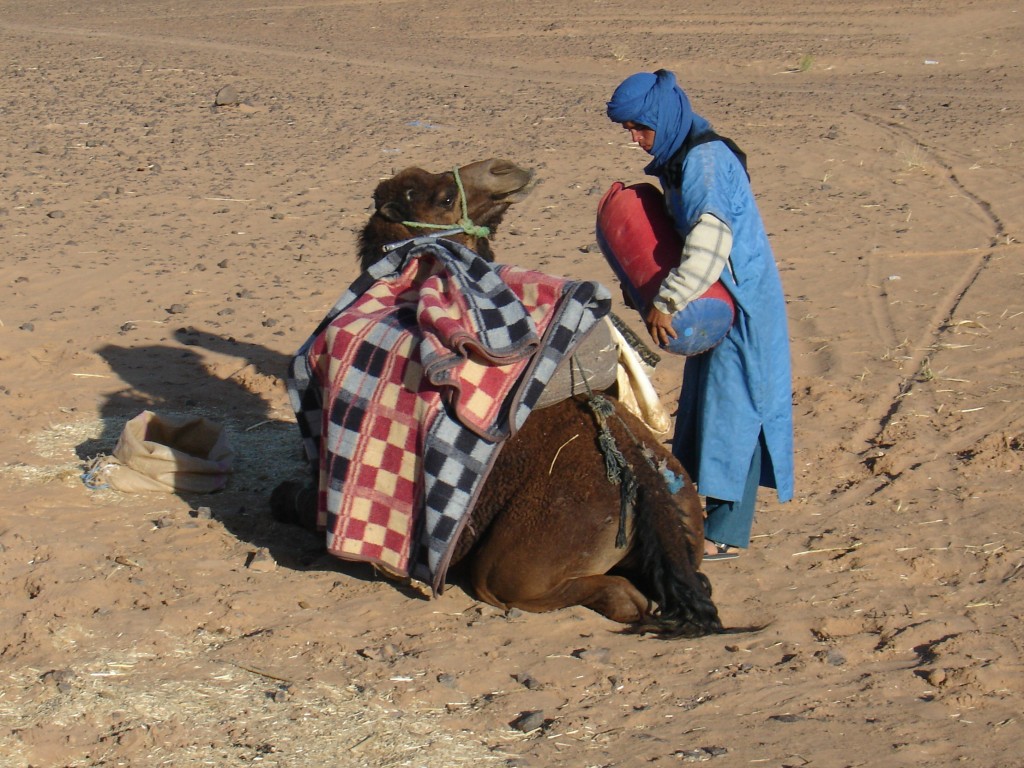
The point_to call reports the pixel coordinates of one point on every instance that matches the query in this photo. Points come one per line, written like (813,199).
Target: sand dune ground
(162,253)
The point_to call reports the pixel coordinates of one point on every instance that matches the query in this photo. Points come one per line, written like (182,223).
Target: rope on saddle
(465,224)
(618,470)
(616,467)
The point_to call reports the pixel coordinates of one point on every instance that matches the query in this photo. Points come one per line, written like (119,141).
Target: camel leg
(612,596)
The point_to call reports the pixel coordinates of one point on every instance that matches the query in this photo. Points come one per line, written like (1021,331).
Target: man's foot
(715,551)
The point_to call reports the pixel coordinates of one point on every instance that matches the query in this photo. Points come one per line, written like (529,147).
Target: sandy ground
(161,253)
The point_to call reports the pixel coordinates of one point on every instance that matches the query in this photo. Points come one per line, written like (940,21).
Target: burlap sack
(160,454)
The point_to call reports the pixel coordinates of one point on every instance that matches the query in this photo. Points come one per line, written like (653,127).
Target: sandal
(722,552)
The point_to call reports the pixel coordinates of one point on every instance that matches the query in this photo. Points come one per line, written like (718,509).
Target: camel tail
(683,594)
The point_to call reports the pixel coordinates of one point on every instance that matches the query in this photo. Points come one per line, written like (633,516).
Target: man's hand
(659,325)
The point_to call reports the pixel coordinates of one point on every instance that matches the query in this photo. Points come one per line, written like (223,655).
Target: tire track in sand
(889,403)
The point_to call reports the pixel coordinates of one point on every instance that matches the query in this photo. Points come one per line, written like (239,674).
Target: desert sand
(160,252)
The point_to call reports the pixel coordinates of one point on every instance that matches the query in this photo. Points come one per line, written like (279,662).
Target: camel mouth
(492,215)
(505,182)
(517,195)
(510,185)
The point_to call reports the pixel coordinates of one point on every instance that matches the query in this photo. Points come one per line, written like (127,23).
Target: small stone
(27,327)
(835,658)
(55,215)
(526,680)
(701,755)
(61,678)
(176,309)
(383,653)
(937,677)
(226,97)
(261,561)
(279,696)
(447,680)
(786,718)
(596,655)
(831,656)
(693,756)
(529,721)
(204,513)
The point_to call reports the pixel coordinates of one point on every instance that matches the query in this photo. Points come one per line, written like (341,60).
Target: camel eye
(447,198)
(446,193)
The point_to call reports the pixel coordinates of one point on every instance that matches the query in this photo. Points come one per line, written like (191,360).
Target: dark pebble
(526,680)
(447,680)
(529,721)
(786,718)
(226,97)
(597,655)
(280,696)
(62,678)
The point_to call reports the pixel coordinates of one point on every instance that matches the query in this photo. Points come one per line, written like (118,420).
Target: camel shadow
(178,381)
(239,393)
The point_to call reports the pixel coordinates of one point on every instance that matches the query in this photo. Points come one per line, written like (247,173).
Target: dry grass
(190,704)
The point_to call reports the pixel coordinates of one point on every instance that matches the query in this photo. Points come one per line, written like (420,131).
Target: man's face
(641,134)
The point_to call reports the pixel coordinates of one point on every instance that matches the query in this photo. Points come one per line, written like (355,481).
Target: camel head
(415,196)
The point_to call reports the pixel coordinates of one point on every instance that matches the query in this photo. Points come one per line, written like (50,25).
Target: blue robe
(742,386)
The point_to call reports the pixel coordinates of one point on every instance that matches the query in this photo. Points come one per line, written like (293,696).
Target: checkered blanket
(409,385)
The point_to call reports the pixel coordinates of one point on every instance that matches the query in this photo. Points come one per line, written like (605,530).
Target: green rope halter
(465,223)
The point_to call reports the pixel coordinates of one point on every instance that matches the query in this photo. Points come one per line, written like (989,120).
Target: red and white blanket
(407,388)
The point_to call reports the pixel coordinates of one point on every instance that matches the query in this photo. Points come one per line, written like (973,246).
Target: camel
(549,530)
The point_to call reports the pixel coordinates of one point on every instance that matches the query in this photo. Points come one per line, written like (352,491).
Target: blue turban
(655,101)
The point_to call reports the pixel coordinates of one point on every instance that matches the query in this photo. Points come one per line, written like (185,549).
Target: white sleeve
(705,254)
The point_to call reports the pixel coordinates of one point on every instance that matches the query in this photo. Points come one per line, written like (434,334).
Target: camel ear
(392,212)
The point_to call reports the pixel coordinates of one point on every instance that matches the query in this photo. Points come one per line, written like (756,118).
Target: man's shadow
(178,382)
